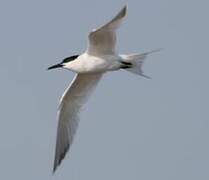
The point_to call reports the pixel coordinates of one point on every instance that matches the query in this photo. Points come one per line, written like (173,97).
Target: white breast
(93,64)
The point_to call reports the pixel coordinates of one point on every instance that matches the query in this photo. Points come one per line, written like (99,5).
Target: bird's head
(64,62)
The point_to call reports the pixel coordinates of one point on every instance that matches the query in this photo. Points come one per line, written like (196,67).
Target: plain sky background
(132,128)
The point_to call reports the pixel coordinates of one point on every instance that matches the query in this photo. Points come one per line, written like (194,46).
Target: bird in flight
(99,58)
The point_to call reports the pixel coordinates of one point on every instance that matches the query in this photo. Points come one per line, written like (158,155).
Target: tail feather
(137,61)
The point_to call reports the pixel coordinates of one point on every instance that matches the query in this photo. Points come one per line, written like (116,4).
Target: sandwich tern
(99,58)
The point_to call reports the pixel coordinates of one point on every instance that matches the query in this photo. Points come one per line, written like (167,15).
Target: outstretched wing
(70,104)
(103,39)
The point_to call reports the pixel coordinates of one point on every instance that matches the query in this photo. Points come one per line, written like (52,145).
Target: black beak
(55,66)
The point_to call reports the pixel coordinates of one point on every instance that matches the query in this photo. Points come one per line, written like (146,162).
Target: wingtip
(54,169)
(56,164)
(59,159)
(123,12)
(125,9)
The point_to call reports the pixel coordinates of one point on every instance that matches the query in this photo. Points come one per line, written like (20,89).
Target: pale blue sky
(132,128)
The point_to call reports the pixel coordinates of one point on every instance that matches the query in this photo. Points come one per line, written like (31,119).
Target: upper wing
(72,100)
(103,39)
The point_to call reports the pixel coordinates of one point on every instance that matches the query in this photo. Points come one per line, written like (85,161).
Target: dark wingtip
(54,169)
(58,160)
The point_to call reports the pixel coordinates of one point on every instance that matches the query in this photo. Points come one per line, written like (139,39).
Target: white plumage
(70,104)
(89,67)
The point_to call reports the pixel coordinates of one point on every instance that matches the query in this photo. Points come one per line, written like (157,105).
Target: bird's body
(87,63)
(99,58)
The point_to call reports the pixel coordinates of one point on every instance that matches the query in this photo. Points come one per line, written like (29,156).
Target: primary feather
(103,39)
(70,104)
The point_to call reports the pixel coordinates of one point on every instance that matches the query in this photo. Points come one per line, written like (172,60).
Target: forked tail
(134,62)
